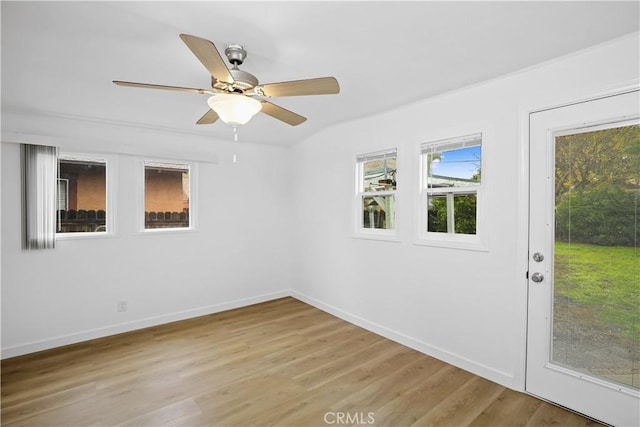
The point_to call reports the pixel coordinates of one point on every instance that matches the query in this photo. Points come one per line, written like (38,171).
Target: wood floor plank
(509,405)
(551,415)
(369,388)
(78,413)
(166,415)
(412,404)
(39,405)
(339,362)
(464,405)
(281,363)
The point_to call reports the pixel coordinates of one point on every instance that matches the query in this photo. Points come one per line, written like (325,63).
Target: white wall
(466,307)
(240,253)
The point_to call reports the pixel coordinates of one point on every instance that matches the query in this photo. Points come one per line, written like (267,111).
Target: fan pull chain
(235,133)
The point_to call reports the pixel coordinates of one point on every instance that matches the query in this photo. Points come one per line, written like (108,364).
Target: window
(81,200)
(167,190)
(376,193)
(450,189)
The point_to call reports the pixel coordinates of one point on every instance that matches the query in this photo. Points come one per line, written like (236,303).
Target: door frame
(521,280)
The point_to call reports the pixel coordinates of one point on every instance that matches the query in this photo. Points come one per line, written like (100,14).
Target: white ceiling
(59,58)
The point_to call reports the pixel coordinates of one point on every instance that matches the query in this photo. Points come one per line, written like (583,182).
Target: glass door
(584,267)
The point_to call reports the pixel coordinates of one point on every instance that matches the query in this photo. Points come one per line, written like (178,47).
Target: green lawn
(604,277)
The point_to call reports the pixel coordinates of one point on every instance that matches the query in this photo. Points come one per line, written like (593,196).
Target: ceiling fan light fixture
(234,109)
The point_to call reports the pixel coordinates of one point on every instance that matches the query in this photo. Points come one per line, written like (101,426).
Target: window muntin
(167,191)
(451,184)
(376,192)
(81,198)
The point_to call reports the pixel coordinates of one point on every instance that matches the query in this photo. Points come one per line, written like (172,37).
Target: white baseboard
(461,362)
(119,328)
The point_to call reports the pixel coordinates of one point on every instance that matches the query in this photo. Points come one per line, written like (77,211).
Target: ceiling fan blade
(282,114)
(208,118)
(176,88)
(319,86)
(208,54)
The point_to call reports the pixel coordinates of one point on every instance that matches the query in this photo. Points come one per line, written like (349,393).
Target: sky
(459,163)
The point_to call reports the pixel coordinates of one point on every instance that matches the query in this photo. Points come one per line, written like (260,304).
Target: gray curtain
(39,181)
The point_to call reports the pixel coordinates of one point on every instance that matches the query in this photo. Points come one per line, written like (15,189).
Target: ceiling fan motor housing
(236,54)
(243,80)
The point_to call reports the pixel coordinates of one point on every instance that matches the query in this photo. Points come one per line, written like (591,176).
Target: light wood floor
(278,363)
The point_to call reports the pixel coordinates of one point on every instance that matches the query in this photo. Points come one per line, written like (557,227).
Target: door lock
(537,277)
(538,257)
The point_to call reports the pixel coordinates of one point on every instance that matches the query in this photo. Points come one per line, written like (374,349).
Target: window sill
(83,235)
(376,236)
(453,243)
(152,231)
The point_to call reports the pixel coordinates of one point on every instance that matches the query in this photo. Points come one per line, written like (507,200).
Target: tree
(464,211)
(592,158)
(604,215)
(597,186)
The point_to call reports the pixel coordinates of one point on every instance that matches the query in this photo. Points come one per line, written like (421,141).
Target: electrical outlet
(122,306)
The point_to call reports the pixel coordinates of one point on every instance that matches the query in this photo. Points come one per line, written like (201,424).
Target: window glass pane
(452,213)
(437,214)
(82,196)
(457,167)
(166,196)
(379,174)
(464,213)
(378,212)
(596,298)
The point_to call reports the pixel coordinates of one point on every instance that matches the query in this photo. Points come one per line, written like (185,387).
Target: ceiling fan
(236,95)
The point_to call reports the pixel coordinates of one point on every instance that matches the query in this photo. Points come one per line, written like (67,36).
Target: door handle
(537,277)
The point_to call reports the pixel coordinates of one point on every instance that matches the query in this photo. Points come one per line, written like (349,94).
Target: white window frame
(111,185)
(373,233)
(192,167)
(450,239)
